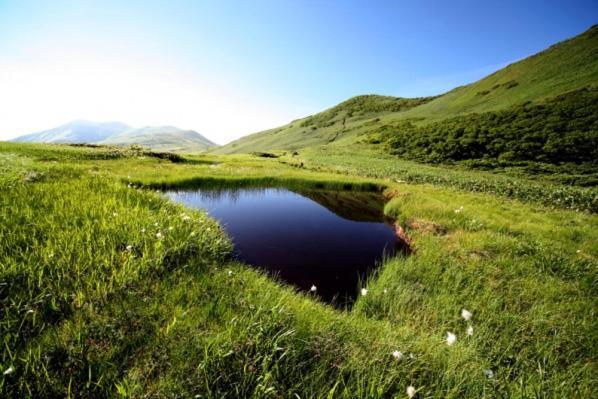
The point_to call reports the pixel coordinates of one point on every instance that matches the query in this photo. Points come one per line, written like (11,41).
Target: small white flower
(397,355)
(470,331)
(578,251)
(156,224)
(192,234)
(313,288)
(411,356)
(159,235)
(9,370)
(170,228)
(129,247)
(489,373)
(458,210)
(114,214)
(411,391)
(466,314)
(385,291)
(230,272)
(364,291)
(208,229)
(143,230)
(186,217)
(450,338)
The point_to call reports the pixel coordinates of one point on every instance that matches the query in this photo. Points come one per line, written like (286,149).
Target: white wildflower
(385,291)
(578,251)
(411,391)
(170,228)
(313,288)
(129,247)
(489,373)
(397,355)
(186,217)
(450,338)
(466,314)
(156,224)
(9,370)
(230,272)
(114,214)
(159,235)
(192,234)
(364,291)
(411,356)
(143,230)
(470,331)
(458,210)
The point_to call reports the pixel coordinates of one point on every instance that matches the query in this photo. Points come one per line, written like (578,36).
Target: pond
(330,239)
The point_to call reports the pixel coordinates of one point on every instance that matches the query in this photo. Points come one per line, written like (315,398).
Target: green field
(110,290)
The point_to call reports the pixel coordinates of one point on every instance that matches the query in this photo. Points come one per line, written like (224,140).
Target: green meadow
(108,289)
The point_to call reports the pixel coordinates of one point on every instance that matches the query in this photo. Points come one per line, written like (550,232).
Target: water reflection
(330,239)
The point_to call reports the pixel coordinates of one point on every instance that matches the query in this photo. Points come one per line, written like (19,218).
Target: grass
(96,303)
(361,161)
(527,111)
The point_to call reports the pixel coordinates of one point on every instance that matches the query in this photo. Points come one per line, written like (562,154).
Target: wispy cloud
(433,85)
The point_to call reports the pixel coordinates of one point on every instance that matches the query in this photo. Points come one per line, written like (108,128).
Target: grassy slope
(336,123)
(83,316)
(563,67)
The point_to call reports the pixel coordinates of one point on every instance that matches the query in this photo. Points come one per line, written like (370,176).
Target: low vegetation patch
(561,130)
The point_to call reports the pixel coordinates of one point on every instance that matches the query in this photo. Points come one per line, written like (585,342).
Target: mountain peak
(162,138)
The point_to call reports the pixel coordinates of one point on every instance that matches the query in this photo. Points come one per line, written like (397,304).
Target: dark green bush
(562,129)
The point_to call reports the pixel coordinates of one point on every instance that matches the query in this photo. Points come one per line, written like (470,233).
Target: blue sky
(228,69)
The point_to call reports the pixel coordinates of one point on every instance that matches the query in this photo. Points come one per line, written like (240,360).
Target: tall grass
(95,303)
(522,189)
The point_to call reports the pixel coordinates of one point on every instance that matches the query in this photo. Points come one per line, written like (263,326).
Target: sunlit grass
(109,290)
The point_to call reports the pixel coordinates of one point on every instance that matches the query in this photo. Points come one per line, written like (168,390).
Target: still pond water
(330,239)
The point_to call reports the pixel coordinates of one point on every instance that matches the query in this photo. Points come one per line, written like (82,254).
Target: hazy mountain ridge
(564,67)
(76,132)
(160,138)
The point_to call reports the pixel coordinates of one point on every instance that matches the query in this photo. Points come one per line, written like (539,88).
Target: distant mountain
(555,81)
(159,138)
(79,131)
(162,138)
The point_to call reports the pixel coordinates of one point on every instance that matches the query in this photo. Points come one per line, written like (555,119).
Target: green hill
(325,127)
(541,79)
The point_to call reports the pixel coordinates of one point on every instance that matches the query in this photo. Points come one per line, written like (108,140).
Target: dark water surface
(330,239)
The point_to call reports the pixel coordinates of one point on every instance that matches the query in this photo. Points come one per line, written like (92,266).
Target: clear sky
(229,68)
